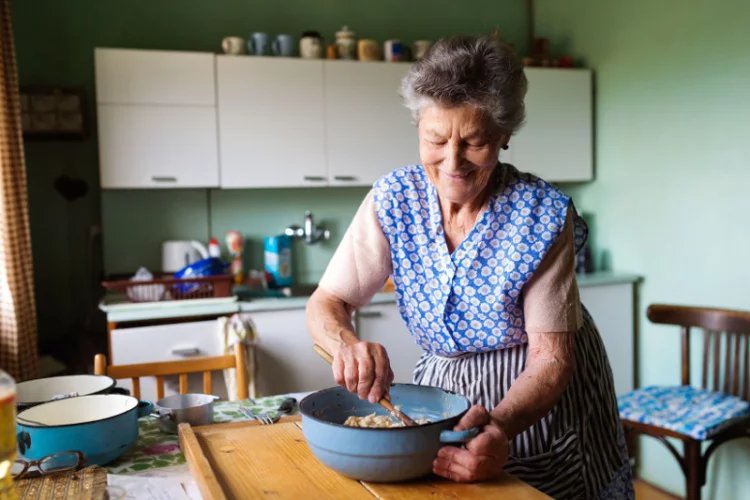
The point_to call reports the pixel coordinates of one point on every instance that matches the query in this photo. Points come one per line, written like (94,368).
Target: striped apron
(569,452)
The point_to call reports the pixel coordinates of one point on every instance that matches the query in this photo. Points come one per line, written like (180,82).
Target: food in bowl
(375,421)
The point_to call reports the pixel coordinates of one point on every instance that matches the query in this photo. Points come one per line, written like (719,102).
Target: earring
(505,146)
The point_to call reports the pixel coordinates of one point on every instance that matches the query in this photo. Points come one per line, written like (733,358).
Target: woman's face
(458,147)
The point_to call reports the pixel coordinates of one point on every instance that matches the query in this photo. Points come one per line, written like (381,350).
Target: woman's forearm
(329,321)
(549,367)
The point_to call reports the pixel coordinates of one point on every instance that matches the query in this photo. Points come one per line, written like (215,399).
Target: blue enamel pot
(102,426)
(386,454)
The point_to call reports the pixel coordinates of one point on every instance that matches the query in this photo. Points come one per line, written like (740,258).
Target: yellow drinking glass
(7,435)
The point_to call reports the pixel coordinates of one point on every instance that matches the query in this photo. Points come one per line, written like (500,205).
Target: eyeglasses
(56,462)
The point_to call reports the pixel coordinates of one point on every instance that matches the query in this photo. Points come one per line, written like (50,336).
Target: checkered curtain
(18,335)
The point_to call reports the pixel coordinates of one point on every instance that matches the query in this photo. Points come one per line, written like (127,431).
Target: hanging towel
(239,327)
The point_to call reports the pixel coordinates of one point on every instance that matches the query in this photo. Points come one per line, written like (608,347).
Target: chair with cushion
(715,411)
(182,368)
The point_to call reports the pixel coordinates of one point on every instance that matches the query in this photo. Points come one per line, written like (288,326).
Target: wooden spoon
(384,402)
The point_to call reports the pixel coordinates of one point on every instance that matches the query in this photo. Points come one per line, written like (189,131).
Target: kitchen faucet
(309,232)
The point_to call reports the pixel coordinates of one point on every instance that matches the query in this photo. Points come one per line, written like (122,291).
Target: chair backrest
(182,368)
(726,344)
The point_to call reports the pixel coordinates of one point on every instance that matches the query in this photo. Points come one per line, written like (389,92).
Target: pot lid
(41,390)
(345,32)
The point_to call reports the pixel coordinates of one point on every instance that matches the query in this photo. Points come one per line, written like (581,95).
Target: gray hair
(481,71)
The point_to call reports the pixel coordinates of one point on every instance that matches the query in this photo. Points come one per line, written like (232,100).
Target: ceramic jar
(345,43)
(310,45)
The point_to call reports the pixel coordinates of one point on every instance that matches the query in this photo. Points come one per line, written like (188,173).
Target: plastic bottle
(214,250)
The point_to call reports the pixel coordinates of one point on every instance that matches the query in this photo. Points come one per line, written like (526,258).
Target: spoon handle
(384,402)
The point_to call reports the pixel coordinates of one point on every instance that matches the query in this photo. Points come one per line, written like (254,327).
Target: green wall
(54,46)
(672,156)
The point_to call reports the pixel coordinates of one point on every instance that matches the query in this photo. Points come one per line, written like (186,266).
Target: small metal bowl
(195,409)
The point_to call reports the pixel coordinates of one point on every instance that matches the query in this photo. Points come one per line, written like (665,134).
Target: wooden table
(248,460)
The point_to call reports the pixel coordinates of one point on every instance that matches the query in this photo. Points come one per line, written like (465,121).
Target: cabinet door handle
(158,178)
(314,178)
(369,314)
(185,351)
(348,178)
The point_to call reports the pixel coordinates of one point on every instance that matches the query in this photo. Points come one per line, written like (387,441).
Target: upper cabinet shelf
(186,119)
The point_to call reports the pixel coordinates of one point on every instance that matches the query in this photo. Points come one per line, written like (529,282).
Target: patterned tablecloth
(155,448)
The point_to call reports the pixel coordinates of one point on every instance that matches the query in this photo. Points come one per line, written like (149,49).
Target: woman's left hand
(482,458)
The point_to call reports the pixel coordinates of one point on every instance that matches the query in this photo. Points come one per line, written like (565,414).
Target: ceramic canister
(233,45)
(393,51)
(259,44)
(310,45)
(368,50)
(345,43)
(283,45)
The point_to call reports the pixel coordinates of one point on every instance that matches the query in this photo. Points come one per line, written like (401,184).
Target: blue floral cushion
(697,413)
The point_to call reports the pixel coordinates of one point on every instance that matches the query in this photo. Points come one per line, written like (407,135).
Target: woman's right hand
(363,368)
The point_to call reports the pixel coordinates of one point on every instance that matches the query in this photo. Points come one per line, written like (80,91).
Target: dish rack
(169,288)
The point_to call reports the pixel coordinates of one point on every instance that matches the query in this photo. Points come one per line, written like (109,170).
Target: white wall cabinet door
(612,308)
(125,76)
(286,360)
(383,324)
(271,125)
(146,146)
(556,141)
(368,130)
(156,119)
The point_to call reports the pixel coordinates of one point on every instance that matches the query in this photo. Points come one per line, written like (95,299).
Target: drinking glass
(7,435)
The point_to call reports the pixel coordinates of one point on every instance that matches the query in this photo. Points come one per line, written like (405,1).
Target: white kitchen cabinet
(310,123)
(271,122)
(156,119)
(611,305)
(555,142)
(157,146)
(286,360)
(144,344)
(382,323)
(369,132)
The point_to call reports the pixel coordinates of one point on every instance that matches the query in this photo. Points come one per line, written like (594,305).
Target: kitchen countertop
(144,311)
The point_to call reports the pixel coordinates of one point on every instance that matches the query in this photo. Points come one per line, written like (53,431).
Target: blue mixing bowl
(388,454)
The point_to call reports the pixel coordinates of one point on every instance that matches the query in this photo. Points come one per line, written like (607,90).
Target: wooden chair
(204,365)
(720,405)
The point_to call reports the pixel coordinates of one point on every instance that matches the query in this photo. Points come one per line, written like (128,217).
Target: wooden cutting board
(242,460)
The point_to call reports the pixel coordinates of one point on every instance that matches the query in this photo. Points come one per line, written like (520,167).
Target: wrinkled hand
(363,368)
(482,458)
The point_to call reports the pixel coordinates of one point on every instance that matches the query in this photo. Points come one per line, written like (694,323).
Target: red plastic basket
(166,288)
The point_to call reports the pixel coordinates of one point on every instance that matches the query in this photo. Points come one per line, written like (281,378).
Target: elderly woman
(482,258)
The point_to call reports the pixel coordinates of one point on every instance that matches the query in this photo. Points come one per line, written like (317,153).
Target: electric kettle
(176,254)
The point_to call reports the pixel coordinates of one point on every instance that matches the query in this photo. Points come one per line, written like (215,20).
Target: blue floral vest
(470,300)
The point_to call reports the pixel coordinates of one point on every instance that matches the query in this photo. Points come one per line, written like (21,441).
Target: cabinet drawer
(164,342)
(126,76)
